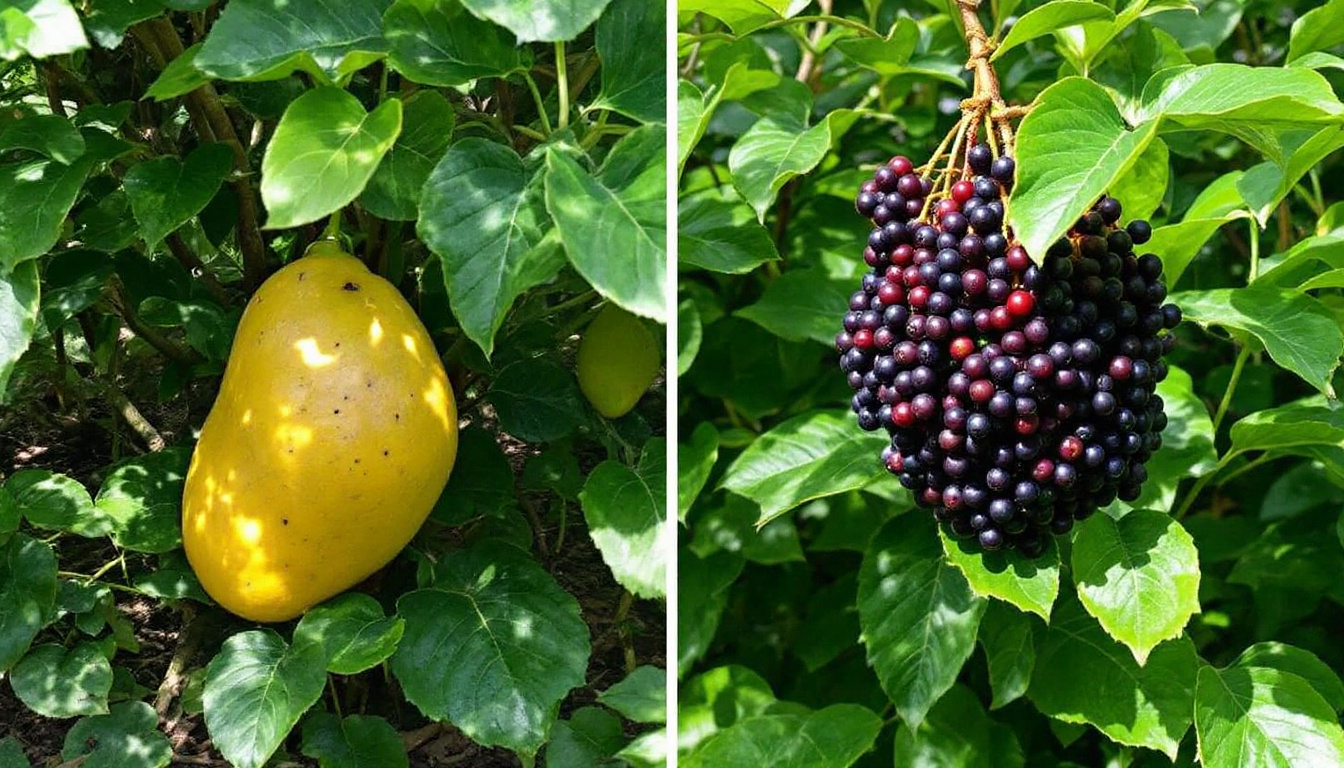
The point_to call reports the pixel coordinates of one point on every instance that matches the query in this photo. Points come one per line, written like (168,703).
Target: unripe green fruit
(618,360)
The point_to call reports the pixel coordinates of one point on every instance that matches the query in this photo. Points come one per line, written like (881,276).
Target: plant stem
(541,105)
(1237,367)
(562,83)
(335,698)
(1200,484)
(1255,252)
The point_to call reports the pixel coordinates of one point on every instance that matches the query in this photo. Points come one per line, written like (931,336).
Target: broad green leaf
(888,55)
(800,305)
(1316,30)
(816,454)
(108,224)
(695,462)
(626,510)
(589,737)
(52,135)
(179,78)
(1009,638)
(1044,19)
(492,646)
(830,625)
(353,631)
(554,469)
(1143,188)
(539,20)
(53,501)
(55,682)
(633,48)
(1027,583)
(647,750)
(393,192)
(1304,664)
(1304,261)
(1228,97)
(19,291)
(614,223)
(142,497)
(357,741)
(1071,149)
(481,213)
(702,594)
(165,193)
(641,697)
(834,737)
(39,28)
(959,733)
(1139,576)
(918,614)
(437,42)
(1263,717)
(689,334)
(27,595)
(127,737)
(107,21)
(1146,706)
(717,699)
(10,515)
(1263,186)
(744,16)
(11,754)
(260,40)
(731,525)
(1180,243)
(721,235)
(256,689)
(1299,332)
(776,149)
(481,484)
(536,400)
(73,281)
(322,154)
(36,196)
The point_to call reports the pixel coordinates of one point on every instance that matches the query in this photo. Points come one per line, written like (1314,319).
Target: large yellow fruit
(332,437)
(618,360)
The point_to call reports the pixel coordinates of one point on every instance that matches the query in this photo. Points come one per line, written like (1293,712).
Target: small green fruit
(618,360)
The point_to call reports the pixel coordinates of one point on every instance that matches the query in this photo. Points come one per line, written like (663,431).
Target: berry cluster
(1019,398)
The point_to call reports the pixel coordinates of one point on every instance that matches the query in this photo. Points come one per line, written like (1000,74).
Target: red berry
(946,206)
(900,165)
(1017,258)
(1070,448)
(863,338)
(895,463)
(1044,470)
(902,255)
(1020,303)
(982,390)
(902,415)
(891,293)
(999,319)
(1027,425)
(961,348)
(963,190)
(918,297)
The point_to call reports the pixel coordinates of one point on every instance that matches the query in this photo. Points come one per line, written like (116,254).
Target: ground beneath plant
(32,435)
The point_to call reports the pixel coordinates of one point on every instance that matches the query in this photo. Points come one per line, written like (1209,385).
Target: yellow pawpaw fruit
(618,360)
(333,435)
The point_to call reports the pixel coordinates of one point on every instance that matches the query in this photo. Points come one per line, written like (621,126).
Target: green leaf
(959,733)
(831,623)
(1229,97)
(165,193)
(1146,706)
(702,592)
(647,750)
(816,454)
(626,510)
(256,689)
(358,741)
(589,737)
(689,335)
(779,147)
(539,20)
(1304,664)
(127,737)
(1299,332)
(614,223)
(721,235)
(693,115)
(322,154)
(74,281)
(36,196)
(731,526)
(641,697)
(52,135)
(437,42)
(632,44)
(1272,715)
(481,483)
(834,737)
(179,78)
(393,192)
(717,699)
(53,501)
(1180,243)
(108,224)
(1139,576)
(353,631)
(1047,18)
(536,400)
(27,595)
(481,213)
(1316,30)
(142,497)
(888,55)
(744,16)
(1027,583)
(1071,149)
(19,291)
(1009,638)
(494,635)
(11,754)
(39,28)
(799,305)
(918,614)
(260,40)
(695,462)
(1143,188)
(108,20)
(55,682)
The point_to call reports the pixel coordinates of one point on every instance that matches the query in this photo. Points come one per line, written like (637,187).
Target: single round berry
(1020,303)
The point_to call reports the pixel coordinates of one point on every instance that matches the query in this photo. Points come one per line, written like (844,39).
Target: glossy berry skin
(1019,396)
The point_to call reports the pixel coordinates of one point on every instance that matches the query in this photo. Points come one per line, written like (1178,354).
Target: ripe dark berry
(1020,303)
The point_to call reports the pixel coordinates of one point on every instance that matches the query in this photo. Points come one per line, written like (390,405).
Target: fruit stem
(562,82)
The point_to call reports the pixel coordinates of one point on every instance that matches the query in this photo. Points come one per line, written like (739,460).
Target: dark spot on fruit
(384,453)
(350,287)
(338,410)
(301,274)
(284,521)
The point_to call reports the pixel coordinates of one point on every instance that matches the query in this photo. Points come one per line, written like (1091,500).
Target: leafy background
(822,621)
(504,165)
